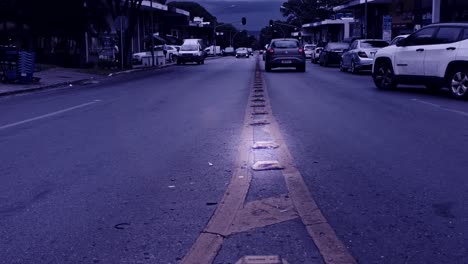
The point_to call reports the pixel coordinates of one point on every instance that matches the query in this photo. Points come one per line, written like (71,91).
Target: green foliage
(305,11)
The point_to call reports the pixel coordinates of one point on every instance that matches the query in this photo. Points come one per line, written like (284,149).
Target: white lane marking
(441,107)
(48,115)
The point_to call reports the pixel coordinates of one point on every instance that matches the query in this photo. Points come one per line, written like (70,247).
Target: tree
(299,12)
(276,31)
(129,9)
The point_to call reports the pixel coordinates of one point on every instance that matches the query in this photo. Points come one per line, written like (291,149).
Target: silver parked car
(285,52)
(360,55)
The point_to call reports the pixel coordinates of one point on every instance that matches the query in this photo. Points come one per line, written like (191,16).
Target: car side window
(354,45)
(465,34)
(424,36)
(447,35)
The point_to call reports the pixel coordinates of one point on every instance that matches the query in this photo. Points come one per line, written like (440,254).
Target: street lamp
(365,19)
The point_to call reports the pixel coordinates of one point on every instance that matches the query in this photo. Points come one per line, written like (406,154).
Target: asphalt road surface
(131,170)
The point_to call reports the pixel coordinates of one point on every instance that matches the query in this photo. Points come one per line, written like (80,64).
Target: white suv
(436,56)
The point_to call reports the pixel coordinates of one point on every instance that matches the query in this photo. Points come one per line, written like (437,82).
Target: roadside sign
(387,28)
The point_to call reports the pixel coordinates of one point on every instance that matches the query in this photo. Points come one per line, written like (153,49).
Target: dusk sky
(257,12)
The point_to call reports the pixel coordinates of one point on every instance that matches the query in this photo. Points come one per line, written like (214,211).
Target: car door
(323,54)
(409,56)
(442,51)
(346,58)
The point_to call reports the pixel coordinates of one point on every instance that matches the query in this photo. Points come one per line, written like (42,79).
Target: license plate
(286,61)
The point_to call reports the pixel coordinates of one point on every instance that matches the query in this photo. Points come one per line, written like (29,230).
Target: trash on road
(171,186)
(210,164)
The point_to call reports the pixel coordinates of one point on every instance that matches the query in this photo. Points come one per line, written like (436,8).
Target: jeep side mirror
(401,43)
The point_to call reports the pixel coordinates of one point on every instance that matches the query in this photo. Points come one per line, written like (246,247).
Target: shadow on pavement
(419,90)
(284,70)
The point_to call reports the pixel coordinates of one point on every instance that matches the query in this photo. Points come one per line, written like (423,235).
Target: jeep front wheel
(384,77)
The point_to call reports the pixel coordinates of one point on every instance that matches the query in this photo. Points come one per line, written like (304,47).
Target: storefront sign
(387,28)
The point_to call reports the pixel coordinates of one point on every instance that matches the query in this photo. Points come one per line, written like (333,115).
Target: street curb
(42,88)
(63,84)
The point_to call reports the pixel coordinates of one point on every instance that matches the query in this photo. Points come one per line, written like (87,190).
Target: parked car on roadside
(308,50)
(434,56)
(332,52)
(265,52)
(397,38)
(285,52)
(170,52)
(229,51)
(242,53)
(360,55)
(316,53)
(250,51)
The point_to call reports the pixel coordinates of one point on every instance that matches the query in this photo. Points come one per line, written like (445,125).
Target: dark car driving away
(331,54)
(285,53)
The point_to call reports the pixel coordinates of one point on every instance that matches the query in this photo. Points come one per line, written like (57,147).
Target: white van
(192,51)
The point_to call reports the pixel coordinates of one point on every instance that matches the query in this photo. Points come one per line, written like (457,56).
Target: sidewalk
(50,78)
(59,77)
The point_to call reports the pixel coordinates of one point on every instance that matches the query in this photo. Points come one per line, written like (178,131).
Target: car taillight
(301,50)
(270,50)
(362,54)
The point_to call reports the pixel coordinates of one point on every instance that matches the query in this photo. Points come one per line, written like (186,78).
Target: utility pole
(365,19)
(152,33)
(85,5)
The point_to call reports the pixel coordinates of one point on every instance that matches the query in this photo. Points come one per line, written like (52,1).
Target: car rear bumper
(334,58)
(286,61)
(189,58)
(364,63)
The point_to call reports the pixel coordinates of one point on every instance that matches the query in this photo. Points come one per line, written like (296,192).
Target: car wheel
(353,68)
(267,67)
(301,68)
(342,68)
(459,83)
(384,77)
(325,61)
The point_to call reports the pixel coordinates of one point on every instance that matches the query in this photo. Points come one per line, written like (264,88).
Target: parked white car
(308,50)
(316,53)
(435,56)
(170,52)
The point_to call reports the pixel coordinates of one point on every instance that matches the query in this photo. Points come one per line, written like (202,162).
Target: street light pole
(365,19)
(152,33)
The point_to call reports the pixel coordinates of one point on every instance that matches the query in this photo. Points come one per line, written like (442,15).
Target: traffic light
(244,21)
(271,23)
